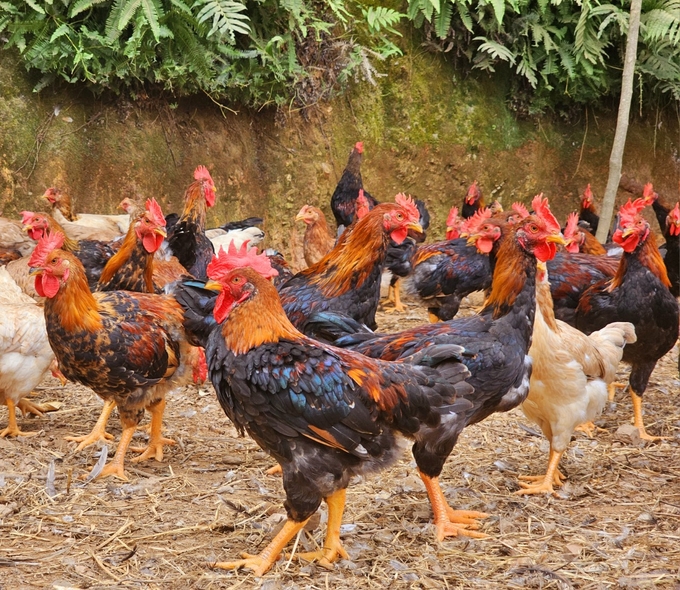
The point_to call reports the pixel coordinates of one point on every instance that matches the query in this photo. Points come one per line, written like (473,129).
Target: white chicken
(84,225)
(253,235)
(25,353)
(569,379)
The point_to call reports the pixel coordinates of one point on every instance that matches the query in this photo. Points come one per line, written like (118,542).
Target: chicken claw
(261,563)
(332,547)
(325,557)
(28,407)
(543,484)
(98,432)
(154,449)
(276,470)
(589,428)
(450,522)
(156,439)
(394,297)
(638,420)
(12,428)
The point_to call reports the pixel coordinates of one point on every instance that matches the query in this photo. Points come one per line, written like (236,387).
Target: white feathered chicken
(111,225)
(25,353)
(569,379)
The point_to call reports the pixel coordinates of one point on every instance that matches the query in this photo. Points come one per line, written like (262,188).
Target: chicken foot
(638,420)
(611,390)
(12,428)
(543,484)
(276,470)
(394,297)
(450,522)
(156,439)
(589,428)
(98,432)
(263,562)
(117,466)
(28,407)
(432,317)
(332,547)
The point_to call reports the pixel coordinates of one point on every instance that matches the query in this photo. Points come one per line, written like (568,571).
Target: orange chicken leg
(117,466)
(543,483)
(156,440)
(394,297)
(28,407)
(332,547)
(450,522)
(638,421)
(12,428)
(98,432)
(263,562)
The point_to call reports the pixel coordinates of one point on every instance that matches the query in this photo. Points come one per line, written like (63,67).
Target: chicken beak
(34,271)
(299,217)
(629,231)
(26,228)
(415,227)
(161,232)
(472,238)
(556,239)
(213,285)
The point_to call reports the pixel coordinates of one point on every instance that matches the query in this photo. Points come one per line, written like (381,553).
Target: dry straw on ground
(616,523)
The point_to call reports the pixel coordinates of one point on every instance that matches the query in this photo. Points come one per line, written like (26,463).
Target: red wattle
(152,242)
(399,234)
(46,285)
(484,245)
(545,251)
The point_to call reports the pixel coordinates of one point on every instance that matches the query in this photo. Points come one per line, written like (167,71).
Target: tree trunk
(616,157)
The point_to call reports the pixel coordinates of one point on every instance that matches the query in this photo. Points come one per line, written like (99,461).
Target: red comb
(472,224)
(201,173)
(361,205)
(26,216)
(155,211)
(648,193)
(542,210)
(452,218)
(227,261)
(520,209)
(407,203)
(674,220)
(629,212)
(572,225)
(588,194)
(359,147)
(50,241)
(675,213)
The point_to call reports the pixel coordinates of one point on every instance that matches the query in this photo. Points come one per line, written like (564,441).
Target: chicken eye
(236,280)
(400,216)
(533,227)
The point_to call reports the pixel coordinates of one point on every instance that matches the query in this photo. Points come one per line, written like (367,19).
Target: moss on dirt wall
(426,131)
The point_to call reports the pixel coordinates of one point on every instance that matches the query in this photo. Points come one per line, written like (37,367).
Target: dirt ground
(616,523)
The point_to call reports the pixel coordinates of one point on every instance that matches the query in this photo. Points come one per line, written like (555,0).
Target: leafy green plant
(560,51)
(251,52)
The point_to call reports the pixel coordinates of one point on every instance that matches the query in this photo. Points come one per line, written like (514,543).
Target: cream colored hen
(25,353)
(569,379)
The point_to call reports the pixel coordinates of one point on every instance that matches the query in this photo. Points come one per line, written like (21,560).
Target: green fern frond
(442,23)
(495,50)
(153,11)
(82,5)
(225,15)
(382,18)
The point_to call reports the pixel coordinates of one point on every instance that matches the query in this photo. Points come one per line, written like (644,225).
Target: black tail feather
(199,304)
